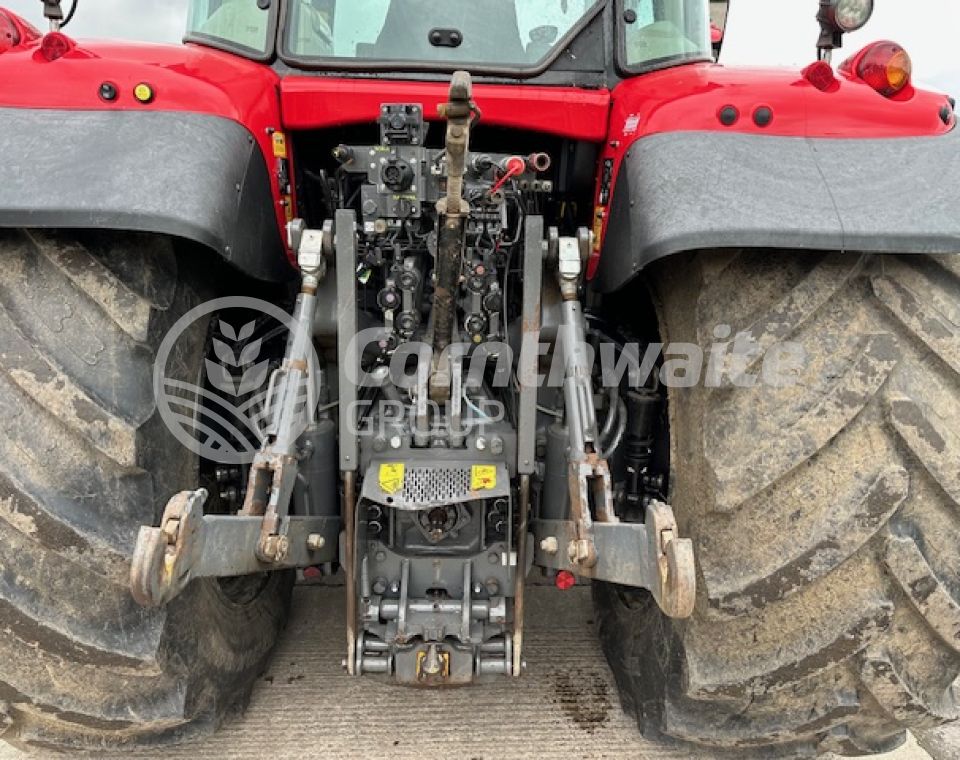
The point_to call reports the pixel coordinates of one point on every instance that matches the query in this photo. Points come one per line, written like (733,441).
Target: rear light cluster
(820,75)
(885,66)
(55,45)
(9,33)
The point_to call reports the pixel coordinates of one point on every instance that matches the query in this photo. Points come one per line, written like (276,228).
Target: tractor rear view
(439,296)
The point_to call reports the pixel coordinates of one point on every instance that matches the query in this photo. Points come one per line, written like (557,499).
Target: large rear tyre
(84,461)
(825,514)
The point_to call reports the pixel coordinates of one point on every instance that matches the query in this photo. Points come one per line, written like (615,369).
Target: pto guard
(424,486)
(649,555)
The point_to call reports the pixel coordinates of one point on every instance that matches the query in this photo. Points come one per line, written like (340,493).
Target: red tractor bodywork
(687,98)
(692,98)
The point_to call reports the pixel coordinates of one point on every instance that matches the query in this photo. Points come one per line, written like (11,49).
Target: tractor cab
(497,36)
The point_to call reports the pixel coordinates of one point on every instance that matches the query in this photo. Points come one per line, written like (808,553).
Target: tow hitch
(190,545)
(649,555)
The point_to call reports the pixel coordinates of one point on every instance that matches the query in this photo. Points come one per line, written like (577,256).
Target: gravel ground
(566,705)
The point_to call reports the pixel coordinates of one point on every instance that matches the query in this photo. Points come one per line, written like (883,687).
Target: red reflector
(820,75)
(716,34)
(55,45)
(886,67)
(565,579)
(9,34)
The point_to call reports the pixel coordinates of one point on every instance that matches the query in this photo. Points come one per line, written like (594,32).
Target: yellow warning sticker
(391,477)
(483,477)
(279,145)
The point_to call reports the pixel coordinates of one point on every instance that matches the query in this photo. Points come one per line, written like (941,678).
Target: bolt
(496,446)
(283,548)
(315,542)
(380,556)
(343,663)
(396,442)
(379,443)
(493,558)
(477,588)
(275,548)
(379,586)
(550,545)
(493,586)
(481,444)
(395,587)
(578,551)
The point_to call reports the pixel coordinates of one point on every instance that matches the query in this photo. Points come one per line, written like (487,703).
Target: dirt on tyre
(84,461)
(825,513)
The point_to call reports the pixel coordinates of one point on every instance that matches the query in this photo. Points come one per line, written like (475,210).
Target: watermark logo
(224,413)
(739,360)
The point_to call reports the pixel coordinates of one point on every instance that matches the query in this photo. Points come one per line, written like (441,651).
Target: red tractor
(430,294)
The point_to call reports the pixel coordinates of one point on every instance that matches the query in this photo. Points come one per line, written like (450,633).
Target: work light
(851,15)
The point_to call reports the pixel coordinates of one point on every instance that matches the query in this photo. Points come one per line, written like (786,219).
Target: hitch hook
(164,557)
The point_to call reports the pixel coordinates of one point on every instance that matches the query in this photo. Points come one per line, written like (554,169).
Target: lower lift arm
(593,542)
(264,537)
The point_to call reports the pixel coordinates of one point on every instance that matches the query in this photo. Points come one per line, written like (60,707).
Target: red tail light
(9,33)
(885,66)
(55,45)
(820,75)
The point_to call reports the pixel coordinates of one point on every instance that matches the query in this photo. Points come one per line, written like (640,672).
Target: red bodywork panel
(184,78)
(691,97)
(26,31)
(315,102)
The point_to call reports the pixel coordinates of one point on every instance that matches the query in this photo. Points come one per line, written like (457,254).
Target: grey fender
(193,176)
(689,191)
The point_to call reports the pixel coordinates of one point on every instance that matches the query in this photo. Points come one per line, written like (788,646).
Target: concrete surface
(566,706)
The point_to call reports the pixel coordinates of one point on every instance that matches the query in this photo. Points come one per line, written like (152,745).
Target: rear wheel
(825,514)
(84,461)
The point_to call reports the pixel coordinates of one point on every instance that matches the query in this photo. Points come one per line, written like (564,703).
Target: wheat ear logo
(234,352)
(222,411)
